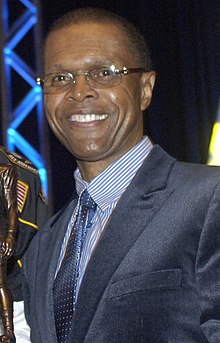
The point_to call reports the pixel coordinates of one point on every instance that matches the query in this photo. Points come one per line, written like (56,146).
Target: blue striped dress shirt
(105,189)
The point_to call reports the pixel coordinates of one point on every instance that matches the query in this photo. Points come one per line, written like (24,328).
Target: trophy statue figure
(8,226)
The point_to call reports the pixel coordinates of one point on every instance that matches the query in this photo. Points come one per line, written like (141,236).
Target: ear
(147,86)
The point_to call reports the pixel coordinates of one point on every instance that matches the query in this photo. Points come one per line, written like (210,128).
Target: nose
(81,90)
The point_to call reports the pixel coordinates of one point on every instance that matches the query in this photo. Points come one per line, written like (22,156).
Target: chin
(89,156)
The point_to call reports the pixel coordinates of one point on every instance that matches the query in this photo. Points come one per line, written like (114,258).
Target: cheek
(51,119)
(121,100)
(51,103)
(128,101)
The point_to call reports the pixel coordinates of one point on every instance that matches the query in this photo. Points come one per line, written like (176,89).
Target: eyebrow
(54,68)
(96,63)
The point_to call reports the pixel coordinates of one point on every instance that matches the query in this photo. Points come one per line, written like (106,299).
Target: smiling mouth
(87,118)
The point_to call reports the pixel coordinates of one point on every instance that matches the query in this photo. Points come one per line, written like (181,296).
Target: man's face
(118,124)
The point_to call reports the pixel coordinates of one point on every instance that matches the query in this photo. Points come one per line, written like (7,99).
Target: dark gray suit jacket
(154,276)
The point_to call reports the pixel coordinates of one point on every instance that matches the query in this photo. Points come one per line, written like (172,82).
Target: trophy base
(7,339)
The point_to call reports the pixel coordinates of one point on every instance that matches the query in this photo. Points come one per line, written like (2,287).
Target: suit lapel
(136,208)
(49,249)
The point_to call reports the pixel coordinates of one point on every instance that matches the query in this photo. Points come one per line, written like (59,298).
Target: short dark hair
(137,44)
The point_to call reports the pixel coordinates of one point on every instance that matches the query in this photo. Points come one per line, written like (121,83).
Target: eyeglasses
(60,82)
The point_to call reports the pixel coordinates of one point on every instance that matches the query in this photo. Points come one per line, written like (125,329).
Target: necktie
(66,279)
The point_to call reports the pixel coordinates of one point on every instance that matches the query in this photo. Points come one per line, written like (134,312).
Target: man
(32,212)
(147,264)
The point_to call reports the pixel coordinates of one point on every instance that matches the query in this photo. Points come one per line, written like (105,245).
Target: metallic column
(22,122)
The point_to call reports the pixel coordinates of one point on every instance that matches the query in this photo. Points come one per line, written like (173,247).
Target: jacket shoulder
(20,161)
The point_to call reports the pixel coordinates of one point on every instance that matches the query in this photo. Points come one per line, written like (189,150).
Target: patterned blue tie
(66,279)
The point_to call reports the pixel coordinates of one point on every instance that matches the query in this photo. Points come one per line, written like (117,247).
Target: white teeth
(87,118)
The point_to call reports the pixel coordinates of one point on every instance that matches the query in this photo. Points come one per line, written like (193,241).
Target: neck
(89,170)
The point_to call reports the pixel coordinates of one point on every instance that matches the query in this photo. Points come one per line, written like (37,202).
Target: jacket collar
(138,205)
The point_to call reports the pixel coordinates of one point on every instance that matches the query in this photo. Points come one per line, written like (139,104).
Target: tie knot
(87,201)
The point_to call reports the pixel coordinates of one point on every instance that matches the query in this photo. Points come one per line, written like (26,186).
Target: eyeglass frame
(118,72)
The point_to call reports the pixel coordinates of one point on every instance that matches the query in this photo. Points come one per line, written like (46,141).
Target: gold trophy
(8,226)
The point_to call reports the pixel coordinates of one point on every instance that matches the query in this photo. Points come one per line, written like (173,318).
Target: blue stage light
(31,103)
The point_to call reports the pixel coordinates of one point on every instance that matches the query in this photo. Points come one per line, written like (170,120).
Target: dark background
(184,39)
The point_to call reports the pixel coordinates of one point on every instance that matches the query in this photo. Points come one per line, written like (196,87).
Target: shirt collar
(116,177)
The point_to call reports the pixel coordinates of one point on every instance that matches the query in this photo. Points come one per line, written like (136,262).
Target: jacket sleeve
(32,213)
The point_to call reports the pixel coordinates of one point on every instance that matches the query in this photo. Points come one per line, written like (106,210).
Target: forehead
(88,43)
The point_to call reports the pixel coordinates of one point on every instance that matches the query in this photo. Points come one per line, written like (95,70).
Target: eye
(102,74)
(56,80)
